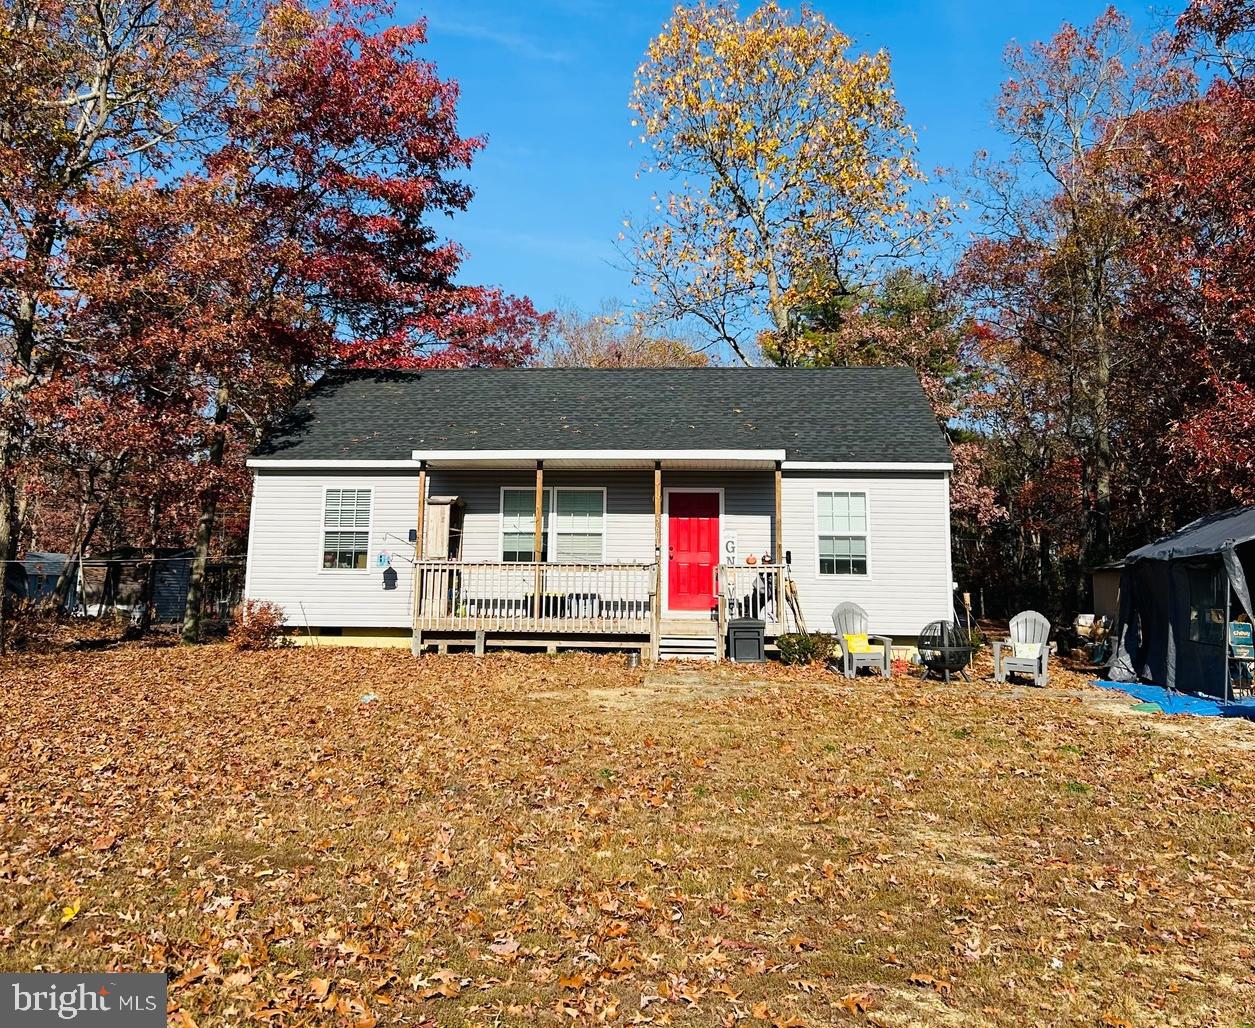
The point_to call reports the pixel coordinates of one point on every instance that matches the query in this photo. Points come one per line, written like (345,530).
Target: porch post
(657,612)
(422,510)
(416,637)
(778,555)
(539,540)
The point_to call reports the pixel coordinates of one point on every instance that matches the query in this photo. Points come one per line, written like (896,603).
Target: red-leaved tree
(338,155)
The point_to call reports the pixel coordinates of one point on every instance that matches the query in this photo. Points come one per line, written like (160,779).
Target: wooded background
(204,206)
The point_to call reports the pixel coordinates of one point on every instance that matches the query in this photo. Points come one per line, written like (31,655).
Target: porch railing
(751,591)
(454,596)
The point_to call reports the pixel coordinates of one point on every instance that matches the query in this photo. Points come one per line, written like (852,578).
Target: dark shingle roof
(828,414)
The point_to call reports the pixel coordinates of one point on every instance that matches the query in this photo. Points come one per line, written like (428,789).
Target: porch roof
(614,459)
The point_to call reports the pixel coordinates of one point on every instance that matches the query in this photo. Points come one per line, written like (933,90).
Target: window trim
(322,528)
(551,534)
(866,534)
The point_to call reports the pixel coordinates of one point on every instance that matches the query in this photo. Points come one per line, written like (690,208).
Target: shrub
(31,627)
(258,625)
(805,647)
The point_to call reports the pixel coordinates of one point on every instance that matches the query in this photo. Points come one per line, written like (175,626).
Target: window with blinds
(841,520)
(573,530)
(518,526)
(345,529)
(579,529)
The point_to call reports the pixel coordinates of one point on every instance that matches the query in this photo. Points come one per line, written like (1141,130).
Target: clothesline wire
(67,559)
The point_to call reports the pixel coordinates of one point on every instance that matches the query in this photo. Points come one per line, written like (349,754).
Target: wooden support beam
(658,566)
(421,523)
(539,541)
(778,555)
(420,528)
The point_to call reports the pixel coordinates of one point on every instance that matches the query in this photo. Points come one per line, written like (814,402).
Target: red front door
(693,541)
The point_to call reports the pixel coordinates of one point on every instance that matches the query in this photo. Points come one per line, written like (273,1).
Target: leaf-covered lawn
(518,840)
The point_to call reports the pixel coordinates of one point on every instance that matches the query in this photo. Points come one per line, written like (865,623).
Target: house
(613,508)
(34,577)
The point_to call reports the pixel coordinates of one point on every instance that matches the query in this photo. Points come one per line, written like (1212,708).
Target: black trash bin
(747,640)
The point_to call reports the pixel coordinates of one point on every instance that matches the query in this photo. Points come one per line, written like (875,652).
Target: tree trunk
(1045,572)
(82,539)
(22,361)
(1099,549)
(150,578)
(204,527)
(6,546)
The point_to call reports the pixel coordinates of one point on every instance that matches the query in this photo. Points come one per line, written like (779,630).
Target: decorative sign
(729,548)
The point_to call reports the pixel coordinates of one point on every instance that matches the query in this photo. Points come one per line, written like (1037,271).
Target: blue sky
(547,82)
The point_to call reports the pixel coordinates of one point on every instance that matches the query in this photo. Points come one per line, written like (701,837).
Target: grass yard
(520,840)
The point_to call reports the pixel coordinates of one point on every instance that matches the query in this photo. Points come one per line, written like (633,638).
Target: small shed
(117,582)
(1177,597)
(1105,583)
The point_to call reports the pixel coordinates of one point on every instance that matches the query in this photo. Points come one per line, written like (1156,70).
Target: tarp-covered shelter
(1177,597)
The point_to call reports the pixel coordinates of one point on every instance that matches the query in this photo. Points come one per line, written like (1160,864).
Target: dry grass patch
(520,840)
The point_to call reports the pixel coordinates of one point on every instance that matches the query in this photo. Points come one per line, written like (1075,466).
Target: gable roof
(855,415)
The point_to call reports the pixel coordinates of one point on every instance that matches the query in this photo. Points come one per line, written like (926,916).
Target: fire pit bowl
(945,649)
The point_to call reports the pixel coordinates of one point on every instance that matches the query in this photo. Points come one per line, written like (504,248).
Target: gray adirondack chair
(851,619)
(1027,628)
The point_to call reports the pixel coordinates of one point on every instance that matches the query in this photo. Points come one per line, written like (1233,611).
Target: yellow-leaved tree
(789,171)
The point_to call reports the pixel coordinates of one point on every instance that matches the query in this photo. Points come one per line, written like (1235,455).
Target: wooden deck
(610,599)
(579,605)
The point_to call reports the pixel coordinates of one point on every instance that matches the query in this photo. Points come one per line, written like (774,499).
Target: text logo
(94,1000)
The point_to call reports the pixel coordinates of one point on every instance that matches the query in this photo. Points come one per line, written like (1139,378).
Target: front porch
(555,606)
(519,570)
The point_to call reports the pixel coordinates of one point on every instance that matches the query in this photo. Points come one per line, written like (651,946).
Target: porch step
(692,628)
(688,640)
(686,647)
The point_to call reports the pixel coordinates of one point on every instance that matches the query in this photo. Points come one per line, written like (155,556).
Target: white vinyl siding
(288,534)
(628,511)
(841,524)
(907,584)
(346,529)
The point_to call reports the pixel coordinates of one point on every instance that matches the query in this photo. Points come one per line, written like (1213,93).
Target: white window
(345,529)
(518,526)
(574,534)
(842,529)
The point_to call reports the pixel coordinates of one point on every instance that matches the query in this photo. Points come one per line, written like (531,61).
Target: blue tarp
(1183,703)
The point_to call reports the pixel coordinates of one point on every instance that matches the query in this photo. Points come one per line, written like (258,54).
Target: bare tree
(612,338)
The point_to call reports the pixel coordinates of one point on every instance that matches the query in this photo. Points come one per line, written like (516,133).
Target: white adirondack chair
(849,619)
(1027,651)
